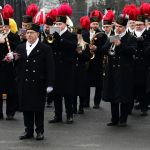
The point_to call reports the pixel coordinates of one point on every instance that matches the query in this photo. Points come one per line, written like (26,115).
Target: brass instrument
(92,42)
(111,50)
(92,53)
(50,38)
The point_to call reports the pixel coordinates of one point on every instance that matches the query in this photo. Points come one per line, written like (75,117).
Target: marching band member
(132,11)
(118,79)
(82,57)
(95,65)
(143,37)
(65,46)
(7,72)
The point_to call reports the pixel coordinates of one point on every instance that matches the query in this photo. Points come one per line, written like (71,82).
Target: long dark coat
(64,52)
(95,68)
(34,74)
(80,74)
(7,71)
(118,81)
(140,63)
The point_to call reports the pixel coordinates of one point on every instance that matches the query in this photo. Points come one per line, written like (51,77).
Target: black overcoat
(34,74)
(80,74)
(118,79)
(64,52)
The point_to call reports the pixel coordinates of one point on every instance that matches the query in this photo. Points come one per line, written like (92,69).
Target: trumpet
(92,52)
(112,49)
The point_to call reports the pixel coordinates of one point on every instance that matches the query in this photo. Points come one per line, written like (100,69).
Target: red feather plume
(145,9)
(7,11)
(52,14)
(109,16)
(32,10)
(85,22)
(65,10)
(131,10)
(96,13)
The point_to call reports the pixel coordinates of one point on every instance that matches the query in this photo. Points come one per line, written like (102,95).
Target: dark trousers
(81,102)
(97,96)
(31,117)
(11,104)
(50,97)
(58,105)
(119,112)
(141,96)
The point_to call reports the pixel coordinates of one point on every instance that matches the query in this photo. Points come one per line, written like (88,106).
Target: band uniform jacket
(95,68)
(118,79)
(140,63)
(7,71)
(80,74)
(64,52)
(34,74)
(147,59)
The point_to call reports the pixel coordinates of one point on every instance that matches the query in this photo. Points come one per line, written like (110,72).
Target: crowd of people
(48,60)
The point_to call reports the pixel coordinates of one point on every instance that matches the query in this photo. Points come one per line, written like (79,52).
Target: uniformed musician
(118,80)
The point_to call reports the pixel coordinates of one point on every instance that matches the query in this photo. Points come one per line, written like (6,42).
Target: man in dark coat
(118,81)
(94,71)
(64,47)
(7,73)
(35,77)
(143,38)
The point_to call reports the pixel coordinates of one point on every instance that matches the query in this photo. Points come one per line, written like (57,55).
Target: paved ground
(89,132)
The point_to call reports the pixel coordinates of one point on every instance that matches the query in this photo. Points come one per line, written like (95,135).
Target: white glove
(10,55)
(49,89)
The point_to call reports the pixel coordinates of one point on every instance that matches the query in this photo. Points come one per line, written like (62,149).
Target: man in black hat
(118,79)
(26,21)
(94,71)
(35,77)
(143,37)
(7,73)
(65,44)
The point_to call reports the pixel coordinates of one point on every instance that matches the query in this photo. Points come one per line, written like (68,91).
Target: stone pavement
(89,132)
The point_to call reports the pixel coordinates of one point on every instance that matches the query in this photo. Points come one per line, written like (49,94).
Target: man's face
(107,28)
(31,36)
(47,28)
(25,25)
(119,28)
(61,25)
(94,25)
(139,26)
(131,24)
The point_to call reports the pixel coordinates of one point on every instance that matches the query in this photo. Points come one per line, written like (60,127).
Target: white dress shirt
(30,47)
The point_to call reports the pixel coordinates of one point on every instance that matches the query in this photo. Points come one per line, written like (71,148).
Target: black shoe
(81,111)
(40,136)
(144,113)
(26,136)
(1,116)
(10,117)
(112,124)
(96,107)
(55,120)
(122,124)
(69,120)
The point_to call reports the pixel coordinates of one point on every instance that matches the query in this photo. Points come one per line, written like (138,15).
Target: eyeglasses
(139,24)
(31,32)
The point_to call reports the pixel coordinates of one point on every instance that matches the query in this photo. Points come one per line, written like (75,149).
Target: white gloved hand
(49,89)
(10,55)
